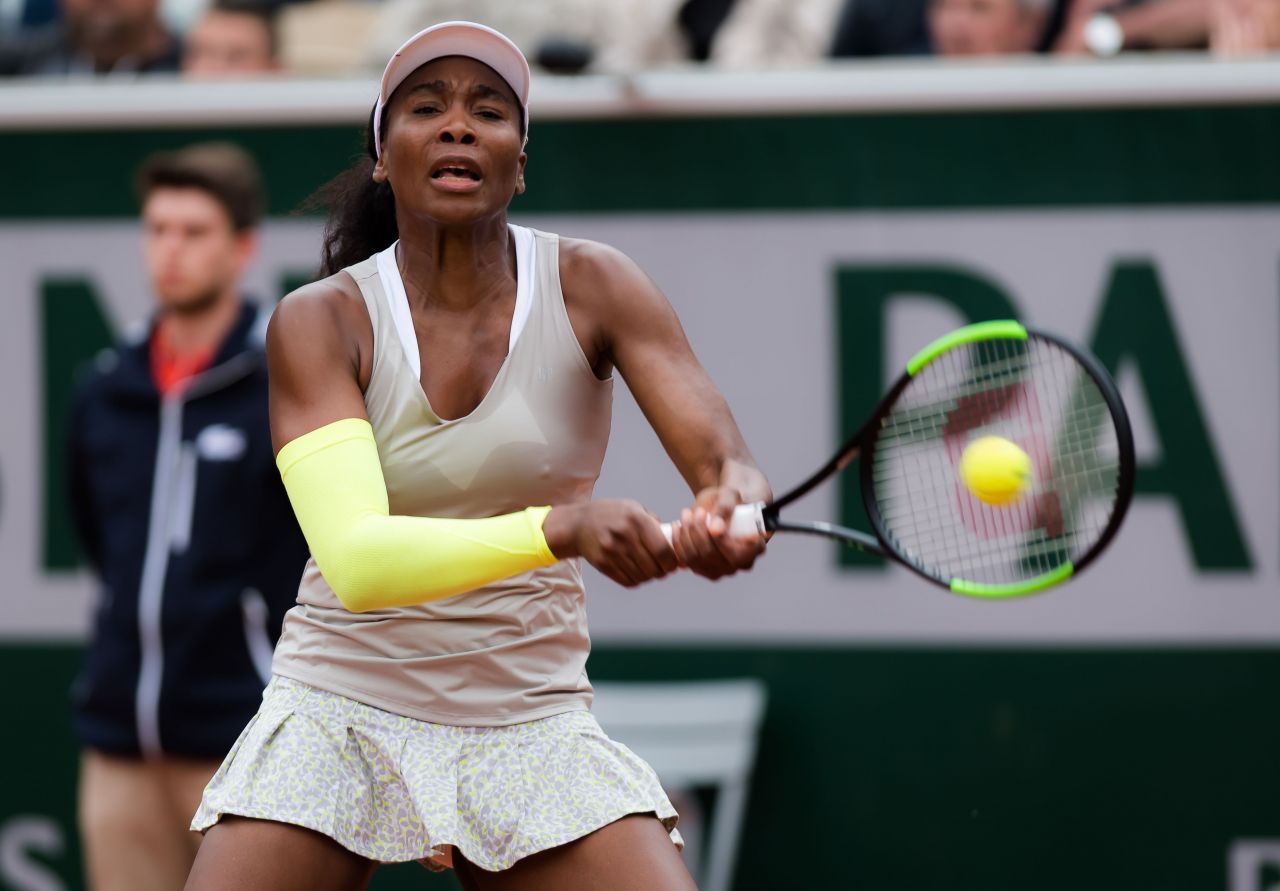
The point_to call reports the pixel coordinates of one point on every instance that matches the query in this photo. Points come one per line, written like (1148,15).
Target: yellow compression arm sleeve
(373,560)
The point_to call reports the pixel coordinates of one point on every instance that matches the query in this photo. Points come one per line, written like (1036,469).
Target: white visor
(468,39)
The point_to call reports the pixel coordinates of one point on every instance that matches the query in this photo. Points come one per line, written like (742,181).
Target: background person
(180,512)
(95,37)
(232,37)
(1107,27)
(1244,27)
(868,28)
(761,34)
(986,27)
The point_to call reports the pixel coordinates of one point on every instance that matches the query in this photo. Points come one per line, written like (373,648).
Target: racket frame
(861,445)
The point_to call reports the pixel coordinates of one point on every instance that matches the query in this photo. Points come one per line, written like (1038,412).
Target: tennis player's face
(194,255)
(453,148)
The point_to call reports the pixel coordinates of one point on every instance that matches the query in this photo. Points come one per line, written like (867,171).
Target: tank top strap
(551,315)
(367,279)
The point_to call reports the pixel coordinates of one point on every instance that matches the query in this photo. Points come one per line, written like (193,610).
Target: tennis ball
(995,469)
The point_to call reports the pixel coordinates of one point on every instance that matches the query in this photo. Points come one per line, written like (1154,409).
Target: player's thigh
(632,854)
(131,837)
(240,854)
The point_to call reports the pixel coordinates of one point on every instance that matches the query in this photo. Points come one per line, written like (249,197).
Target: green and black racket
(1054,401)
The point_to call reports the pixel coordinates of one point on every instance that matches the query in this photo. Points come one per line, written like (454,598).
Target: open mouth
(450,172)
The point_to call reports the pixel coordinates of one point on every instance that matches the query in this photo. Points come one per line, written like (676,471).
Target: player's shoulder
(595,266)
(334,290)
(331,301)
(583,252)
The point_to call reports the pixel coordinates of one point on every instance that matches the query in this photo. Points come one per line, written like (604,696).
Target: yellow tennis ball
(995,469)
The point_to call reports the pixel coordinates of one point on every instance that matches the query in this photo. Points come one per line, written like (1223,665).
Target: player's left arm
(632,327)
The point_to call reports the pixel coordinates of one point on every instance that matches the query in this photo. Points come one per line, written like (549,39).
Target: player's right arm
(319,354)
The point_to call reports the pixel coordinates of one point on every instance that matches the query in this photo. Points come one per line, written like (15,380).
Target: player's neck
(457,269)
(202,329)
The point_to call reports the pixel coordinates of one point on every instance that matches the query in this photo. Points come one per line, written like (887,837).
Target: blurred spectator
(95,37)
(24,14)
(328,37)
(182,515)
(700,20)
(881,28)
(765,33)
(614,35)
(587,24)
(987,27)
(639,34)
(1105,27)
(1244,27)
(233,37)
(179,15)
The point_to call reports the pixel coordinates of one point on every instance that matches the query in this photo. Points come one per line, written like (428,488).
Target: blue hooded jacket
(180,510)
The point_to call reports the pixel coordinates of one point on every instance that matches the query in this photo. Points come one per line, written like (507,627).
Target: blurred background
(820,187)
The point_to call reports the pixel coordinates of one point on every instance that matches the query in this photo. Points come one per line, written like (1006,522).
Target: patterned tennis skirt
(394,789)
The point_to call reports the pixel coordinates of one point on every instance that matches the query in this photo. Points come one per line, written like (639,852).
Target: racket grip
(747,521)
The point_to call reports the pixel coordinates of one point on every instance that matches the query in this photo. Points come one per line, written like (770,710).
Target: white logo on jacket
(218,442)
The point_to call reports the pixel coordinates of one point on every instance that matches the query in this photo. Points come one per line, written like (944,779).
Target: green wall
(1144,157)
(912,768)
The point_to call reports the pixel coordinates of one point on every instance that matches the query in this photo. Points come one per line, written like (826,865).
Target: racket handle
(747,521)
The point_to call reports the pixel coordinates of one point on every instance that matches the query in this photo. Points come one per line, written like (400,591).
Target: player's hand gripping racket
(1071,462)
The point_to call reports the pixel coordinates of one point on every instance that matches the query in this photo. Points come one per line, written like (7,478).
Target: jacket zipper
(155,564)
(168,527)
(185,499)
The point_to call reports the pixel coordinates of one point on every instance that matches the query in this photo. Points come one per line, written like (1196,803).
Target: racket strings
(1030,392)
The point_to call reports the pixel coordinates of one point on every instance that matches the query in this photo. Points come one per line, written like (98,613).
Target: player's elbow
(357,600)
(351,569)
(356,591)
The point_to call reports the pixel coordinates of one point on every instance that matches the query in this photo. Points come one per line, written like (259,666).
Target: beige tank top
(512,651)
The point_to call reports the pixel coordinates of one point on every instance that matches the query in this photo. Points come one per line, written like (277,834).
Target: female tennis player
(440,405)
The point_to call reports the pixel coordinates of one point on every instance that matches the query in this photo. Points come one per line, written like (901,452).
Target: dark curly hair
(361,213)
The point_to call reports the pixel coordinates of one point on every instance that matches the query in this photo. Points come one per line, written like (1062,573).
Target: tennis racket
(1051,399)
